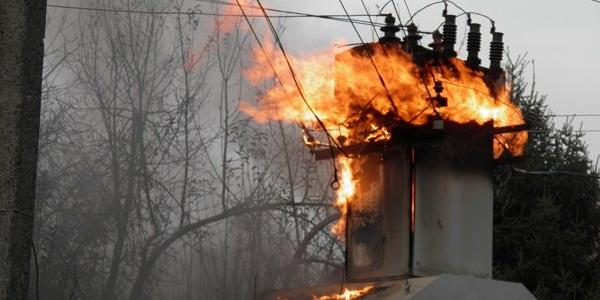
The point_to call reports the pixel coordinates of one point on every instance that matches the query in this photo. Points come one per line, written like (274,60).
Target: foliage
(546,212)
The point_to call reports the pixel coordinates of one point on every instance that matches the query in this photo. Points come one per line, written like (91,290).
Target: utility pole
(22,27)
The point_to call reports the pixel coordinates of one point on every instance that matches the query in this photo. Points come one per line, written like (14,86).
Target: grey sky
(561,36)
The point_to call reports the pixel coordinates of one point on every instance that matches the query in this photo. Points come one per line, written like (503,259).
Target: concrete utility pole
(22,27)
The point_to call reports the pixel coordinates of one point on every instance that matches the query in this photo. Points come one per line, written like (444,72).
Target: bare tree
(155,183)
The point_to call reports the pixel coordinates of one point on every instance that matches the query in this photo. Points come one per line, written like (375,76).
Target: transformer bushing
(450,35)
(496,51)
(412,38)
(390,30)
(474,45)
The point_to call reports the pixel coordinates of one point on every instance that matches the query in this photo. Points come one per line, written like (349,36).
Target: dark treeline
(546,210)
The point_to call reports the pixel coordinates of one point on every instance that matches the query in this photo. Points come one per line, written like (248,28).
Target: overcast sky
(563,37)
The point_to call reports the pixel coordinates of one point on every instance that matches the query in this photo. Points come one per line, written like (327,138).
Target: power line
(262,48)
(289,14)
(330,139)
(407,8)
(370,20)
(571,115)
(381,80)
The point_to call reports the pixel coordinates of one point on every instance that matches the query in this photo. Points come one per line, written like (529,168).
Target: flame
(344,194)
(348,96)
(346,295)
(359,104)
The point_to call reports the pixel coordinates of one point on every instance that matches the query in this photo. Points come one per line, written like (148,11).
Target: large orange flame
(358,103)
(344,194)
(353,104)
(350,100)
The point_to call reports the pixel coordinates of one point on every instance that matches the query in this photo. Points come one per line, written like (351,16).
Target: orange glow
(229,22)
(350,100)
(346,295)
(344,194)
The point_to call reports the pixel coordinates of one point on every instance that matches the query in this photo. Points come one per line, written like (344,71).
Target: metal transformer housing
(424,203)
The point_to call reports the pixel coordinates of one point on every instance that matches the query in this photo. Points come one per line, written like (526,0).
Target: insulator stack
(390,30)
(412,38)
(474,45)
(450,35)
(496,51)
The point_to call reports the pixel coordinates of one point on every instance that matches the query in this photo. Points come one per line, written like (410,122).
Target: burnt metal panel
(449,183)
(378,232)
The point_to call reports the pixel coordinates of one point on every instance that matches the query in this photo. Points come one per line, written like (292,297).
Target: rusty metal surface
(383,242)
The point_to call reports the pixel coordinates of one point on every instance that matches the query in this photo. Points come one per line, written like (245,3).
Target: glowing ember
(346,295)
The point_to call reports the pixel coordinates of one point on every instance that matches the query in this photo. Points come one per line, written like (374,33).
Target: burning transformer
(417,133)
(424,194)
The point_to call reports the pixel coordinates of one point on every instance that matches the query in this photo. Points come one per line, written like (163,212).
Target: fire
(346,295)
(344,194)
(350,100)
(358,104)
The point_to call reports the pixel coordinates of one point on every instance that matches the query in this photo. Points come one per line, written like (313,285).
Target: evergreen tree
(546,211)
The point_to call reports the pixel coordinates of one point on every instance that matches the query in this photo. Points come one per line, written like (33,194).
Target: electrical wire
(381,80)
(262,48)
(289,14)
(335,183)
(399,18)
(18,211)
(434,3)
(370,20)
(384,6)
(407,8)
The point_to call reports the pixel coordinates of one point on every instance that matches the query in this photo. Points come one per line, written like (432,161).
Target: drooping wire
(510,105)
(331,17)
(397,13)
(262,48)
(331,140)
(399,18)
(370,20)
(407,9)
(468,14)
(445,2)
(381,80)
(264,52)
